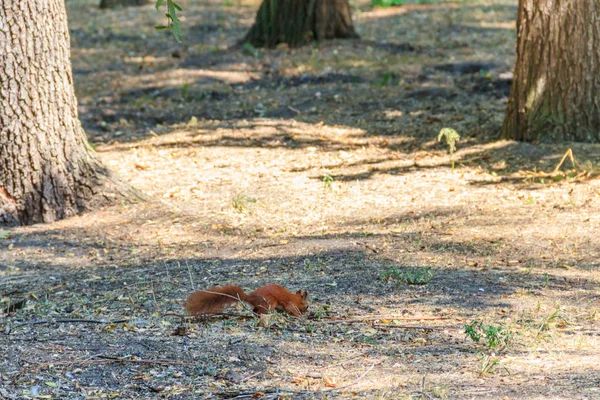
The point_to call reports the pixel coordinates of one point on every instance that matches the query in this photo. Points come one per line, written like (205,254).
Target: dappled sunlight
(381,12)
(179,77)
(319,169)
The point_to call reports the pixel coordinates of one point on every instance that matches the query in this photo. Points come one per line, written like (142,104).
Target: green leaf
(162,28)
(171,15)
(4,234)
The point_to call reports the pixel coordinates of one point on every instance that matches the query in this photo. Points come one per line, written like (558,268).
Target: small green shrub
(327,181)
(412,276)
(493,336)
(387,3)
(241,202)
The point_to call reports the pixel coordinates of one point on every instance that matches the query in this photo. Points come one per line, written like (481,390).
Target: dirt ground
(316,168)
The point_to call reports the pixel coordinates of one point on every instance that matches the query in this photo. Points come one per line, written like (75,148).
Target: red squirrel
(264,299)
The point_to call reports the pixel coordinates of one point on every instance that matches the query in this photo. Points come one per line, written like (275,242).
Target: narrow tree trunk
(298,22)
(47,169)
(122,3)
(554,95)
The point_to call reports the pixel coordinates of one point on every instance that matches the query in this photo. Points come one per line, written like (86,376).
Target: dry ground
(315,168)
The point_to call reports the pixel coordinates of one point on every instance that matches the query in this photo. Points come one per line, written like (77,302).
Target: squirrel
(264,299)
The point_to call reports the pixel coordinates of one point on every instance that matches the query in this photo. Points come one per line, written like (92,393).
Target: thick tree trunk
(122,3)
(47,169)
(298,22)
(554,95)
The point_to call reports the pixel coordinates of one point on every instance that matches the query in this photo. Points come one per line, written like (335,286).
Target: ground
(316,168)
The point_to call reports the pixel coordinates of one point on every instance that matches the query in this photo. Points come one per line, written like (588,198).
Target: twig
(111,360)
(250,376)
(153,295)
(367,319)
(172,314)
(347,359)
(568,153)
(66,321)
(275,395)
(295,110)
(428,328)
(349,384)
(189,273)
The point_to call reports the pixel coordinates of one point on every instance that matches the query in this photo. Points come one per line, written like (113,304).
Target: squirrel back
(264,299)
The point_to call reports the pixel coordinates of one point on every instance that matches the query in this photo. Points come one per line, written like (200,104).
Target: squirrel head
(303,304)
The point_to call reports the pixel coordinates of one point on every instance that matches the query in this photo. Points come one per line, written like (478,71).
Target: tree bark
(47,169)
(554,94)
(298,22)
(122,3)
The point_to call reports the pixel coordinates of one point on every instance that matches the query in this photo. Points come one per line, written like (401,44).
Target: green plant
(494,336)
(385,79)
(413,276)
(250,50)
(241,202)
(555,316)
(319,264)
(439,392)
(185,92)
(173,21)
(321,312)
(452,137)
(387,3)
(489,363)
(327,181)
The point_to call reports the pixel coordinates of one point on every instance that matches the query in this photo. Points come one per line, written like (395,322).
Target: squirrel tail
(213,300)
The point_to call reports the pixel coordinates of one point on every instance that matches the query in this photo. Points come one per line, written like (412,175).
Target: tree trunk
(298,22)
(554,95)
(122,3)
(47,169)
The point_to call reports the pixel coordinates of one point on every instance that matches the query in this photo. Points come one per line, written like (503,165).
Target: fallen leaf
(329,381)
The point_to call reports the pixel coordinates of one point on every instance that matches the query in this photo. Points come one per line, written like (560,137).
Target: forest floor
(316,168)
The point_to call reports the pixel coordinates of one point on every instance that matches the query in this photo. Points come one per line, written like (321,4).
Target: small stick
(367,319)
(348,385)
(66,321)
(275,396)
(568,153)
(347,359)
(428,328)
(111,360)
(250,376)
(295,110)
(153,295)
(189,273)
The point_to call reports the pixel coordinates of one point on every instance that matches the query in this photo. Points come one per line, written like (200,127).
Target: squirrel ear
(299,292)
(305,294)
